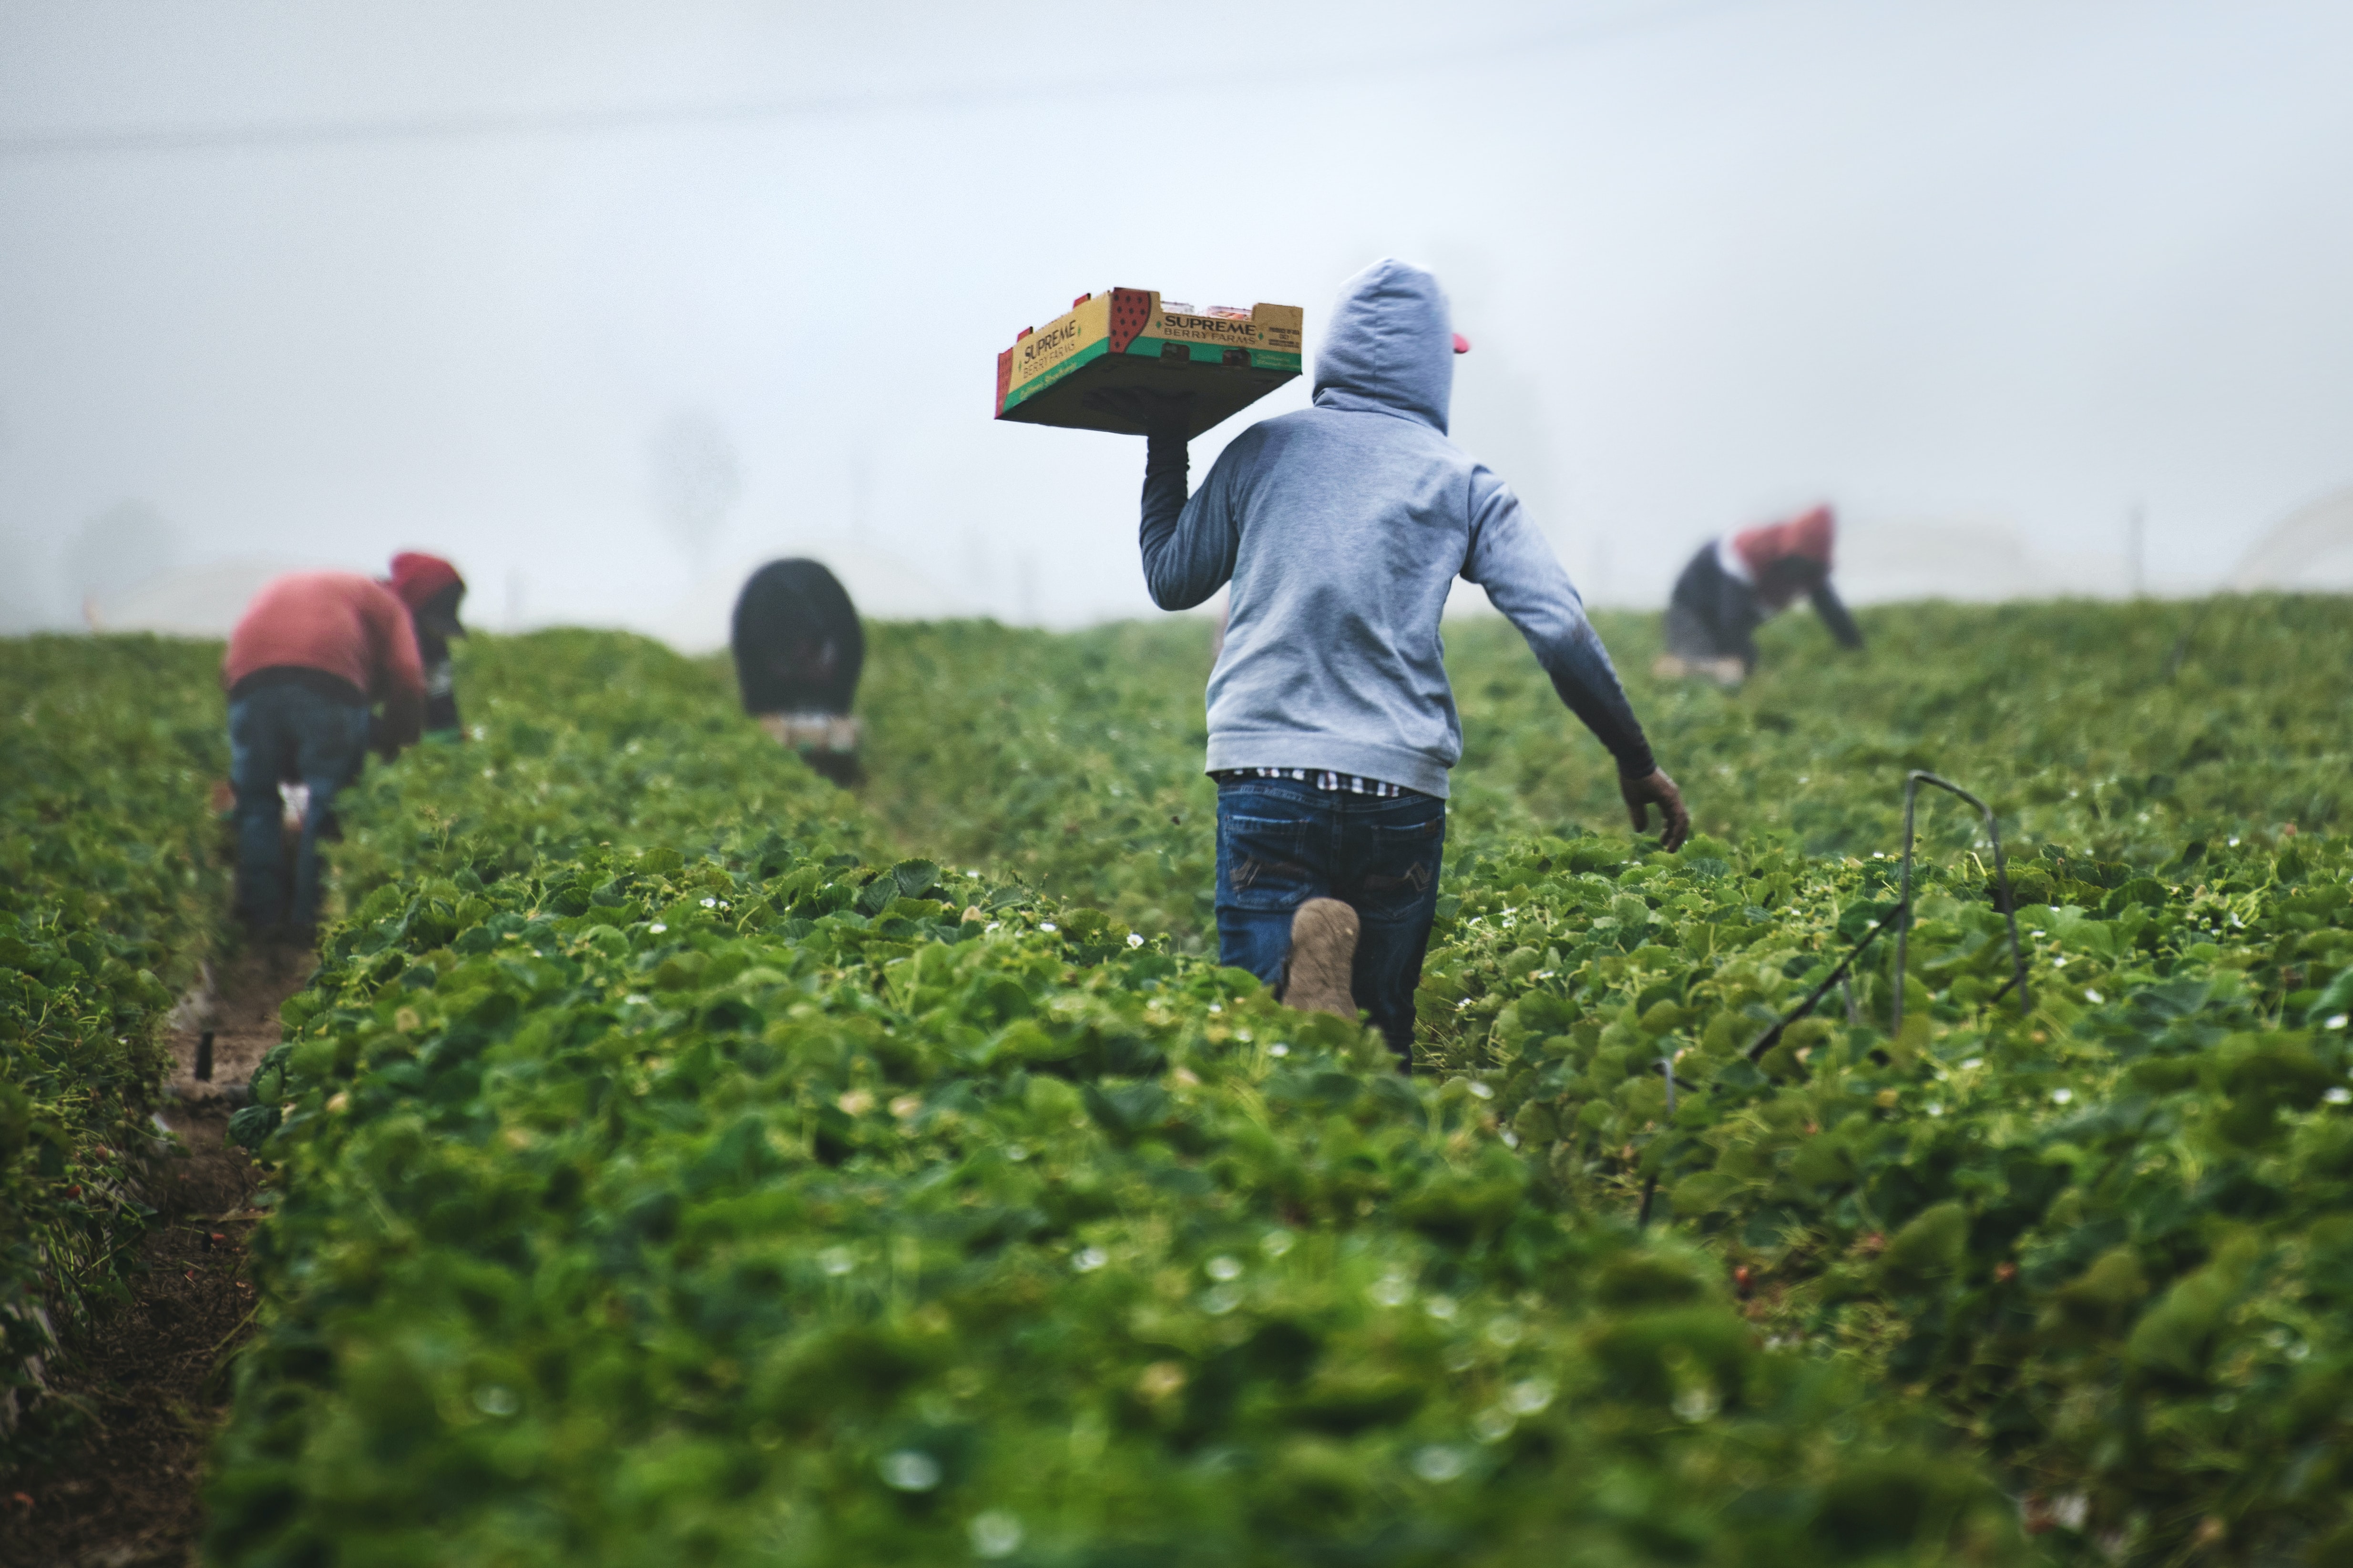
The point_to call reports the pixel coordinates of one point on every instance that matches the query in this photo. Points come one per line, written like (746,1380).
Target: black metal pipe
(1650,1182)
(1764,1043)
(1900,917)
(1765,1040)
(1912,783)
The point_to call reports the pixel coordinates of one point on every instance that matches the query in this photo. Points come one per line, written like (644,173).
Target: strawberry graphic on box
(1130,312)
(1080,369)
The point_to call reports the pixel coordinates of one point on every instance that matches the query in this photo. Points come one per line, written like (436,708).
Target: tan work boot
(1323,958)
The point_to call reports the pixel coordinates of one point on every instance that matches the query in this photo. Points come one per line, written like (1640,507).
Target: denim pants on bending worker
(286,734)
(1281,842)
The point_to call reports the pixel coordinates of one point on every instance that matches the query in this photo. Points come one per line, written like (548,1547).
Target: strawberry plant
(722,1198)
(2102,1236)
(582,738)
(2063,715)
(1090,746)
(668,1170)
(110,881)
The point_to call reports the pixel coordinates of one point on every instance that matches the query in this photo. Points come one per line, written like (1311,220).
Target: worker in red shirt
(432,590)
(1737,583)
(313,654)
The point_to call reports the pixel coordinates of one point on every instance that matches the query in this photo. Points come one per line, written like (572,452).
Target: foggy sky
(316,282)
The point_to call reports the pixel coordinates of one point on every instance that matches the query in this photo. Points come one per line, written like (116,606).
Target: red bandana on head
(1807,538)
(416,577)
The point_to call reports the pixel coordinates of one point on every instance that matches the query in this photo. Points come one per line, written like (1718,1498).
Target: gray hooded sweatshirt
(1341,528)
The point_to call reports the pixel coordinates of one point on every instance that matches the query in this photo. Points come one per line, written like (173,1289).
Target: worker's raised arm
(1834,614)
(1188,543)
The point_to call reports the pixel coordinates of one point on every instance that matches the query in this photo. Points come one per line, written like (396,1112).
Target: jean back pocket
(1262,862)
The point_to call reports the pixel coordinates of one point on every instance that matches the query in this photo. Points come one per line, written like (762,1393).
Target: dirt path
(153,1376)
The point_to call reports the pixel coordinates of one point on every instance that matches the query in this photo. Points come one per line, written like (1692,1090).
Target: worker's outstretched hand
(1655,788)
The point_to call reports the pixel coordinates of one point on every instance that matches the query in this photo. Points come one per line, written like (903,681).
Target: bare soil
(152,1378)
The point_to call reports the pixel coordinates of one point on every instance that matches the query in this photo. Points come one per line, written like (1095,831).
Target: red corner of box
(1130,312)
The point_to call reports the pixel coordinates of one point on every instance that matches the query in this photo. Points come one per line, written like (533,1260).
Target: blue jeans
(289,734)
(1282,842)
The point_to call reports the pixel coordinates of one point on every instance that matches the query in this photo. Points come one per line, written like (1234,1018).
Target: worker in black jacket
(798,651)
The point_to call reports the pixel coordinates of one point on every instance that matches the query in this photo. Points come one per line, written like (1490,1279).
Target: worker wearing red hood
(312,653)
(1740,580)
(432,590)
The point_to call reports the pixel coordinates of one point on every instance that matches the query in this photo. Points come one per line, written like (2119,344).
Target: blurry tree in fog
(695,480)
(116,550)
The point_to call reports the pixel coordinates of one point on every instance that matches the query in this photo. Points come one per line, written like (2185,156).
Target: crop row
(2077,719)
(2164,1134)
(737,1196)
(111,884)
(663,1176)
(1091,746)
(2106,1237)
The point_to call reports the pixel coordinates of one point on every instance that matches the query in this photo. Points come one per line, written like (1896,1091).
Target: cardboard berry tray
(1075,370)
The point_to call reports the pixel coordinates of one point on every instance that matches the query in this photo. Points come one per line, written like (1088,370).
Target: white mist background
(2005,272)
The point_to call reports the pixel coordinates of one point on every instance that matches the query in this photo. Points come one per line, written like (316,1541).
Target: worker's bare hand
(1655,788)
(1159,413)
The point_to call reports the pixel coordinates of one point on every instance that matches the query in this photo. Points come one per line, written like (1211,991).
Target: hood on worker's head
(1805,539)
(1390,346)
(431,587)
(1811,535)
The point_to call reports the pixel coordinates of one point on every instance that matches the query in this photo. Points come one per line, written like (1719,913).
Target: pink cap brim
(1462,344)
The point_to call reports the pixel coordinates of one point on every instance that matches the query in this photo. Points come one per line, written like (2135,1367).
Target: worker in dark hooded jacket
(1331,727)
(432,590)
(1737,583)
(798,650)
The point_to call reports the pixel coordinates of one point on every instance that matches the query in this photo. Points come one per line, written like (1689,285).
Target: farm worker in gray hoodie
(1332,726)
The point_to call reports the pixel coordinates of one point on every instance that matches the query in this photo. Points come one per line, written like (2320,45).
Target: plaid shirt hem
(1322,778)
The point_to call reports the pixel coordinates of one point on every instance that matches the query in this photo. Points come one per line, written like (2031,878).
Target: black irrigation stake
(205,1057)
(1765,1042)
(1838,976)
(1912,783)
(1650,1182)
(2188,634)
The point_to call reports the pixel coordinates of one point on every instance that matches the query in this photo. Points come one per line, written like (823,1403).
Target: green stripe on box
(1214,353)
(1045,378)
(1200,353)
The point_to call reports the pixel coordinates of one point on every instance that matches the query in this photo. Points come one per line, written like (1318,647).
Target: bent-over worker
(313,652)
(798,651)
(1735,584)
(1331,727)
